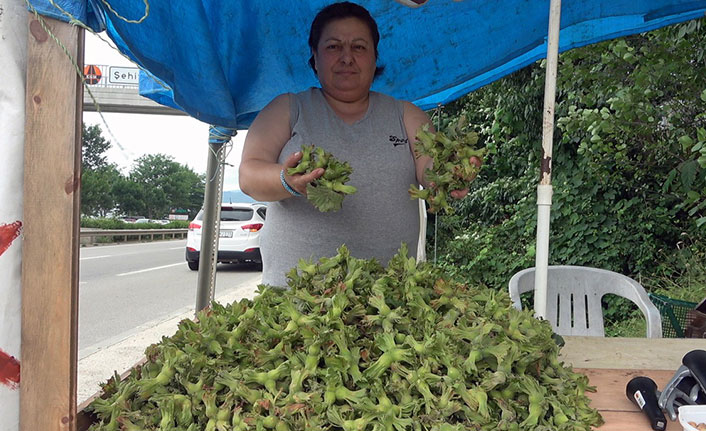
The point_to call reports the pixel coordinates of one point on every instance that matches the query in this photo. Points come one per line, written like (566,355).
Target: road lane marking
(149,269)
(131,253)
(95,257)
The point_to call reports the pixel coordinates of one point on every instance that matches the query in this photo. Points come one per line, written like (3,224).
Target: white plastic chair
(574,298)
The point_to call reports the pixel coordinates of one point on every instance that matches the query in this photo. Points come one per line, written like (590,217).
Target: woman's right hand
(260,167)
(298,182)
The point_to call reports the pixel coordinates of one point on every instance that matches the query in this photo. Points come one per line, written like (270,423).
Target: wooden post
(50,248)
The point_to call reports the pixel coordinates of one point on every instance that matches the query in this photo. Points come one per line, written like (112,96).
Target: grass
(634,327)
(687,285)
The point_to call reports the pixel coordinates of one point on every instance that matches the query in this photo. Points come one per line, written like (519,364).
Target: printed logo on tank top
(398,141)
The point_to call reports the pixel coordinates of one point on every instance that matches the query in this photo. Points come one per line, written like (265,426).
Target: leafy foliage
(113,223)
(452,165)
(97,190)
(355,346)
(97,175)
(326,193)
(629,161)
(94,148)
(156,184)
(164,184)
(130,197)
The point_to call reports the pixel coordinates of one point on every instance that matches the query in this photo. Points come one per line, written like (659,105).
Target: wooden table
(610,363)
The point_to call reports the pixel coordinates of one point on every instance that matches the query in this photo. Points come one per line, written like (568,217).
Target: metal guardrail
(93,234)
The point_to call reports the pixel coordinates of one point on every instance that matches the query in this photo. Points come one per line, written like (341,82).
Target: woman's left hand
(460,194)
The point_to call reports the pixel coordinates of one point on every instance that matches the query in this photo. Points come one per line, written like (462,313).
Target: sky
(183,138)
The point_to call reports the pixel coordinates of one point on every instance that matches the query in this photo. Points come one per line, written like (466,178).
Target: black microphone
(643,392)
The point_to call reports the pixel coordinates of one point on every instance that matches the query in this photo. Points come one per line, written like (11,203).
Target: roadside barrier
(94,236)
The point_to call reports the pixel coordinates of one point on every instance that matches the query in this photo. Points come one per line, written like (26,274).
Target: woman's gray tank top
(376,219)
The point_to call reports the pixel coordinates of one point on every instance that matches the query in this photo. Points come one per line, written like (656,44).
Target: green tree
(628,166)
(94,146)
(130,197)
(167,185)
(97,190)
(98,177)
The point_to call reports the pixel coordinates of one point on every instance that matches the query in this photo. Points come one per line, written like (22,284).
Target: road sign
(92,74)
(124,75)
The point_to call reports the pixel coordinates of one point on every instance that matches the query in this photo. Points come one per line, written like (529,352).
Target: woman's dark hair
(338,11)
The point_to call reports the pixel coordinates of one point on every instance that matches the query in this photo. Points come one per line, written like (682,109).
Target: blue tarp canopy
(221,61)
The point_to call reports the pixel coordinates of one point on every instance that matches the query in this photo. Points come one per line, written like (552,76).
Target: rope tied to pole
(219,140)
(220,134)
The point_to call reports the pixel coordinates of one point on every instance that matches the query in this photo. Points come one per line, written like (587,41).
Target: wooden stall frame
(50,248)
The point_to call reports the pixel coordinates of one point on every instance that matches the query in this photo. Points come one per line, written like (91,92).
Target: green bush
(103,223)
(629,165)
(113,223)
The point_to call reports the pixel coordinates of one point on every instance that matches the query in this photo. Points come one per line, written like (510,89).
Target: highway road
(126,288)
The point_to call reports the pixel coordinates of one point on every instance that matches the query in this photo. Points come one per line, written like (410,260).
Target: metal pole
(211,225)
(544,189)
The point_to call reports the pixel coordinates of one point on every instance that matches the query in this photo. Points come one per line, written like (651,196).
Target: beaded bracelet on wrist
(286,186)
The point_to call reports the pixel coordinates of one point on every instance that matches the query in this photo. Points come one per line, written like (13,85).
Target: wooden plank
(631,421)
(610,386)
(610,399)
(51,228)
(628,353)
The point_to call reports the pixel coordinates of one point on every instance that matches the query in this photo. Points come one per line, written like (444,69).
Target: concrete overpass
(115,89)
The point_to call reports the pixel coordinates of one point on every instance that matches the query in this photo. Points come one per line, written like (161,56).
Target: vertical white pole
(544,189)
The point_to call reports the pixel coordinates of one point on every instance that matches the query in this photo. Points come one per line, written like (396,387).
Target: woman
(371,131)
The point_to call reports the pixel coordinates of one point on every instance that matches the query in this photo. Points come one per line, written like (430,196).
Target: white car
(239,239)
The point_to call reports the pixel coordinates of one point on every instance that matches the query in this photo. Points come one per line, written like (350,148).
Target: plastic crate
(673,313)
